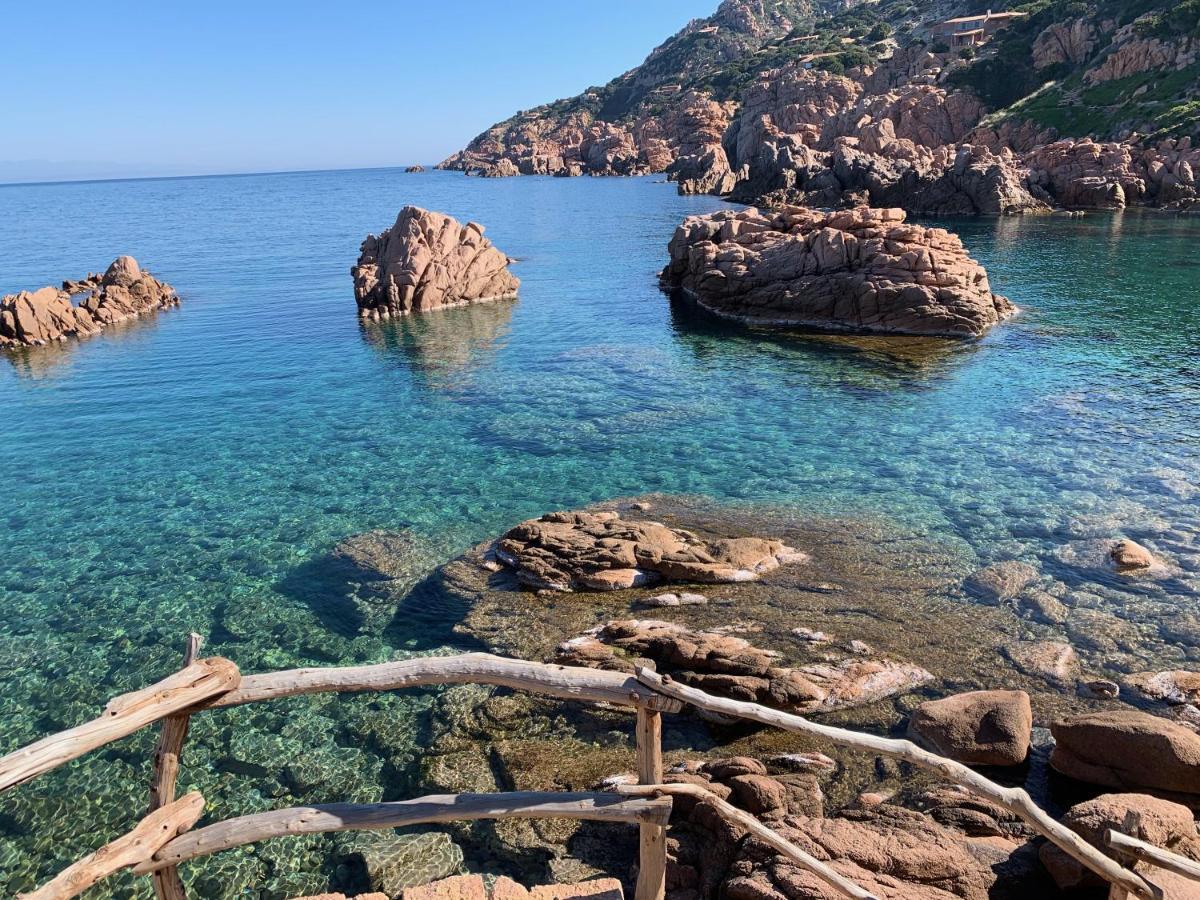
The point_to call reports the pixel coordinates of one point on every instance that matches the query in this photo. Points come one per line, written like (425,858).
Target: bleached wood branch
(203,679)
(167,884)
(564,682)
(601,807)
(1015,800)
(1157,856)
(139,845)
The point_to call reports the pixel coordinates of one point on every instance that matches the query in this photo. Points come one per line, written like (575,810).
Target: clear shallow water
(181,474)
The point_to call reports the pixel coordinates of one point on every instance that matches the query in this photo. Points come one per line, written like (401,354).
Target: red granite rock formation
(428,260)
(858,270)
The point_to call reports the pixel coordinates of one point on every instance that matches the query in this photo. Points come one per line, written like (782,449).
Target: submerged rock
(1001,581)
(1128,749)
(599,551)
(986,728)
(428,260)
(1055,661)
(124,291)
(862,270)
(395,862)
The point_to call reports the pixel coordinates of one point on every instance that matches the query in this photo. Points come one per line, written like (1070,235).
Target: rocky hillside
(1078,103)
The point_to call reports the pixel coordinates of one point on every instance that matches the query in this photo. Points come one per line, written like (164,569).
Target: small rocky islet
(49,315)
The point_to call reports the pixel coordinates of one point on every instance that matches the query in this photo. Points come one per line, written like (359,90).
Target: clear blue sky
(96,89)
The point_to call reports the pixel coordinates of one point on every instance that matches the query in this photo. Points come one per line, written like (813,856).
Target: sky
(109,89)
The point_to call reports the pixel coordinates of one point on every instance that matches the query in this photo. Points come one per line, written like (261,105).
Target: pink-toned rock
(124,291)
(857,270)
(1159,822)
(1128,749)
(457,887)
(986,728)
(731,666)
(600,551)
(1055,661)
(597,889)
(428,260)
(1127,554)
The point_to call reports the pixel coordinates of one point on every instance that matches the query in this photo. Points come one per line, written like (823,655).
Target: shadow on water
(55,359)
(867,362)
(443,348)
(414,612)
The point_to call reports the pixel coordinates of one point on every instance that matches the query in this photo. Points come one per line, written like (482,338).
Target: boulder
(1127,554)
(456,887)
(600,551)
(124,291)
(986,728)
(1128,749)
(860,270)
(425,261)
(1151,819)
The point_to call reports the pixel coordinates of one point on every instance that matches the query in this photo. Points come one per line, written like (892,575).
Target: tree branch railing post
(167,884)
(652,838)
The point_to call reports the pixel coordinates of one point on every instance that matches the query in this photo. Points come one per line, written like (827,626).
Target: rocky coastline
(48,315)
(909,128)
(859,660)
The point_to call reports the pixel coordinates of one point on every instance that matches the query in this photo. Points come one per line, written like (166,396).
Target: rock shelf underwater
(1064,429)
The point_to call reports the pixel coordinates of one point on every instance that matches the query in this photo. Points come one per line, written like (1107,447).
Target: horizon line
(430,167)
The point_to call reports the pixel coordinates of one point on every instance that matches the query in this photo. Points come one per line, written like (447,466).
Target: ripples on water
(178,473)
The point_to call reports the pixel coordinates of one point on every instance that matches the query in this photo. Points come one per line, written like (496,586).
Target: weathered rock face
(601,552)
(425,261)
(984,728)
(414,169)
(124,291)
(1158,822)
(1064,42)
(860,270)
(730,666)
(1128,749)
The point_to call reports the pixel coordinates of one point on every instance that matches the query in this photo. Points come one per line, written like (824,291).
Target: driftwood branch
(1015,800)
(768,836)
(139,845)
(167,884)
(200,681)
(565,682)
(603,807)
(1157,856)
(652,839)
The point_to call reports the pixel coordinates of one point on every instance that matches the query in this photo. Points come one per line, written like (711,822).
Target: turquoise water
(181,473)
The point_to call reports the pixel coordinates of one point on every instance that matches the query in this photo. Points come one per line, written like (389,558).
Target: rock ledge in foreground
(428,260)
(124,291)
(860,270)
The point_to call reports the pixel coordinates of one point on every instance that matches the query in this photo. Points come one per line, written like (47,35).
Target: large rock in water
(862,270)
(599,551)
(1128,749)
(428,260)
(124,291)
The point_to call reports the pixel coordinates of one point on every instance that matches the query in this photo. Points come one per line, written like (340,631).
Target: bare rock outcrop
(428,260)
(862,270)
(600,551)
(730,666)
(124,291)
(1064,42)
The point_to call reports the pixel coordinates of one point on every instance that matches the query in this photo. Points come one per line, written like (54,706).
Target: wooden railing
(164,838)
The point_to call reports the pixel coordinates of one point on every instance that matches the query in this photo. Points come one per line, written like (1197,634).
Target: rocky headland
(426,261)
(49,314)
(862,270)
(1078,108)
